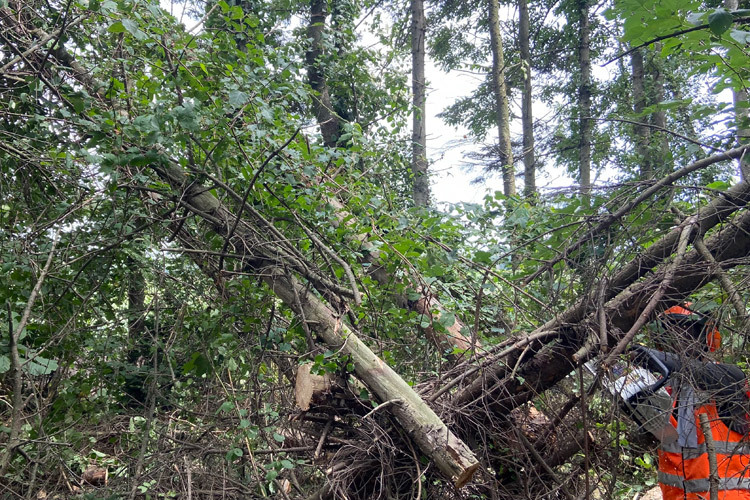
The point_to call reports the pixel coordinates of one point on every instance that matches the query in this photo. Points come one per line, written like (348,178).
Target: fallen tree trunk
(450,454)
(548,361)
(553,360)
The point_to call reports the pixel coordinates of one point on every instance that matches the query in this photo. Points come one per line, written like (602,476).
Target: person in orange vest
(718,391)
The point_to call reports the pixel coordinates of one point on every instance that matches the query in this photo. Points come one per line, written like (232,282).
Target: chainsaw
(638,384)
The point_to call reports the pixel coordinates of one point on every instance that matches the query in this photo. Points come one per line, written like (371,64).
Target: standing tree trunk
(527,121)
(660,151)
(501,101)
(329,122)
(421,186)
(739,98)
(584,101)
(741,119)
(642,132)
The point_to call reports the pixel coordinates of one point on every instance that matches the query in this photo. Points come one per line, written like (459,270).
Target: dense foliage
(172,209)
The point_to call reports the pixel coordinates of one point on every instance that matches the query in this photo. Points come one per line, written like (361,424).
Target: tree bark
(452,457)
(328,121)
(505,151)
(527,120)
(584,101)
(421,182)
(642,132)
(659,117)
(741,116)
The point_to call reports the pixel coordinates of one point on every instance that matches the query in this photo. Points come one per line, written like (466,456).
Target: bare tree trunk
(584,101)
(527,120)
(659,117)
(501,101)
(741,117)
(555,343)
(642,132)
(421,187)
(326,117)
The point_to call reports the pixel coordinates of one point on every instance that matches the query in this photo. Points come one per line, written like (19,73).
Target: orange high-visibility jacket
(684,472)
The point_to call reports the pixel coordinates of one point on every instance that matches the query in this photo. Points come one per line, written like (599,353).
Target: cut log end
(462,460)
(466,475)
(95,476)
(309,388)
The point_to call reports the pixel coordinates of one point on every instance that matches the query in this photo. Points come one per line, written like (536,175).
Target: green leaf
(718,185)
(116,27)
(483,257)
(696,18)
(198,364)
(133,29)
(237,98)
(447,319)
(719,21)
(740,36)
(4,364)
(271,475)
(41,366)
(78,103)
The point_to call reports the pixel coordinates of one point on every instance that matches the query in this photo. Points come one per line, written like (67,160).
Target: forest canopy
(225,277)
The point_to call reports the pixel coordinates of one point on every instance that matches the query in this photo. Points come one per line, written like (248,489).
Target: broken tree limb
(310,389)
(653,301)
(428,304)
(553,361)
(451,455)
(719,210)
(434,438)
(732,294)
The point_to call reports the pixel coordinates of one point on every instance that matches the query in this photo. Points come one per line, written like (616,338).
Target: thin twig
(384,405)
(322,439)
(249,190)
(540,460)
(665,37)
(15,358)
(189,473)
(662,129)
(726,283)
(325,248)
(603,342)
(301,312)
(713,476)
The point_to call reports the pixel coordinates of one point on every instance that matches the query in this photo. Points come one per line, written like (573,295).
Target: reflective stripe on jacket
(684,472)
